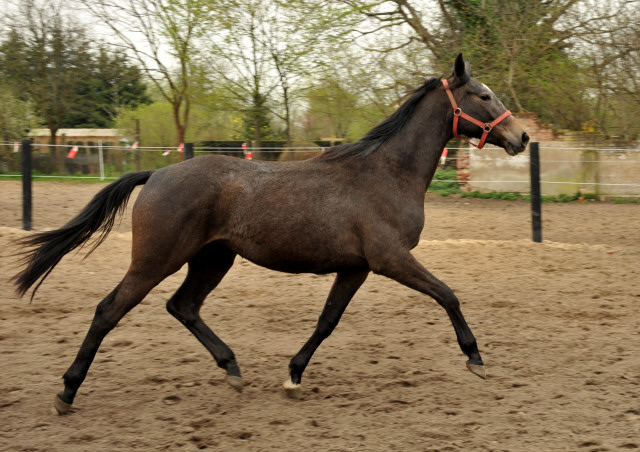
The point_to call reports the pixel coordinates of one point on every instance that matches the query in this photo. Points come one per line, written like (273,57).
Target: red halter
(457,113)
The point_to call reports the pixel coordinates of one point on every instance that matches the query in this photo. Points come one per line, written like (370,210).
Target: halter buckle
(457,111)
(488,127)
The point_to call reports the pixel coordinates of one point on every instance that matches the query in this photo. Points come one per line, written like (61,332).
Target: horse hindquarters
(160,247)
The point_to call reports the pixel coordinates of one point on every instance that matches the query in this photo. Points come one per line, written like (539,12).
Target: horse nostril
(525,138)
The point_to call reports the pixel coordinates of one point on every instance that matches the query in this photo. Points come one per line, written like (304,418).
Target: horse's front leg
(344,288)
(405,269)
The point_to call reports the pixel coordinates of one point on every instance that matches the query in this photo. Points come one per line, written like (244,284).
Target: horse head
(478,112)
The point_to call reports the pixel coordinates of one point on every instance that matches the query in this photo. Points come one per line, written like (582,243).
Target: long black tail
(48,248)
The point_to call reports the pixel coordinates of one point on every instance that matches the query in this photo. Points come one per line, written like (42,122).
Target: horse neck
(412,155)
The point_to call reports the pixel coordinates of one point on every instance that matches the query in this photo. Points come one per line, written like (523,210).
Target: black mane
(381,133)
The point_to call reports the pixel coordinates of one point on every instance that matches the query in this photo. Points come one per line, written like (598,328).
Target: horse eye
(485,97)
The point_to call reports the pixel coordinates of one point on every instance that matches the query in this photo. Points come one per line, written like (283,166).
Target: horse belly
(318,264)
(299,248)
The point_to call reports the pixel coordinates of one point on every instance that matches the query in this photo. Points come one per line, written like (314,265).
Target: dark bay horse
(354,209)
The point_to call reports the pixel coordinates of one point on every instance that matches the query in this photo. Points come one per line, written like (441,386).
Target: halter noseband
(457,113)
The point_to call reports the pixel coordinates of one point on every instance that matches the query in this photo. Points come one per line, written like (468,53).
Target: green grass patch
(626,201)
(445,182)
(512,196)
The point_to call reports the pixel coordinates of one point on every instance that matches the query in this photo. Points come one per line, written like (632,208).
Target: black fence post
(188,151)
(536,208)
(27,207)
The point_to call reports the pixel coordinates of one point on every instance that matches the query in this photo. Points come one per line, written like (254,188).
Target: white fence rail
(613,172)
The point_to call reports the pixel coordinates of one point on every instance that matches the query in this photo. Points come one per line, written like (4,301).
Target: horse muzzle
(515,147)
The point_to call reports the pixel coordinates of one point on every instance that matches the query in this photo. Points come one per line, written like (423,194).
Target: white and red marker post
(443,157)
(248,154)
(72,152)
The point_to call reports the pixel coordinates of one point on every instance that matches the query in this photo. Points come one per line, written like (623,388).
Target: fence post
(536,209)
(100,160)
(27,207)
(188,151)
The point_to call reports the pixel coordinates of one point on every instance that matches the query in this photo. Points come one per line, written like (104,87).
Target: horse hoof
(294,391)
(60,406)
(477,369)
(235,382)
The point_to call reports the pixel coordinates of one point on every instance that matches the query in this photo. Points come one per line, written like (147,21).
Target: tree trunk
(258,110)
(258,135)
(56,154)
(180,128)
(287,116)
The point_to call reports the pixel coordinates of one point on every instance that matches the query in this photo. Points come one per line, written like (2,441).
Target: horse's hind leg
(206,270)
(131,290)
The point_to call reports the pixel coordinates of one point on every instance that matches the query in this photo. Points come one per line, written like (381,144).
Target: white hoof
(478,370)
(61,407)
(293,390)
(235,382)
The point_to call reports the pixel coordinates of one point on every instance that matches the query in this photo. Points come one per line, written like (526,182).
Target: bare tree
(298,52)
(240,57)
(612,55)
(162,36)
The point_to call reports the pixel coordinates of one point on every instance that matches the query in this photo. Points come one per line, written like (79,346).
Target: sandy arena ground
(557,324)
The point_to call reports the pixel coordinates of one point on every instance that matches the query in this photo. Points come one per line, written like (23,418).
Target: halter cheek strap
(458,113)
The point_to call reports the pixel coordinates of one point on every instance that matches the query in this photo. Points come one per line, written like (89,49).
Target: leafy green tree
(42,57)
(16,117)
(50,63)
(515,44)
(242,61)
(332,108)
(531,52)
(297,52)
(155,123)
(252,118)
(16,114)
(265,51)
(611,56)
(112,83)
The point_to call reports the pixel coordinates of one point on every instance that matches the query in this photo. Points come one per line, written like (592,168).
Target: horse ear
(461,69)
